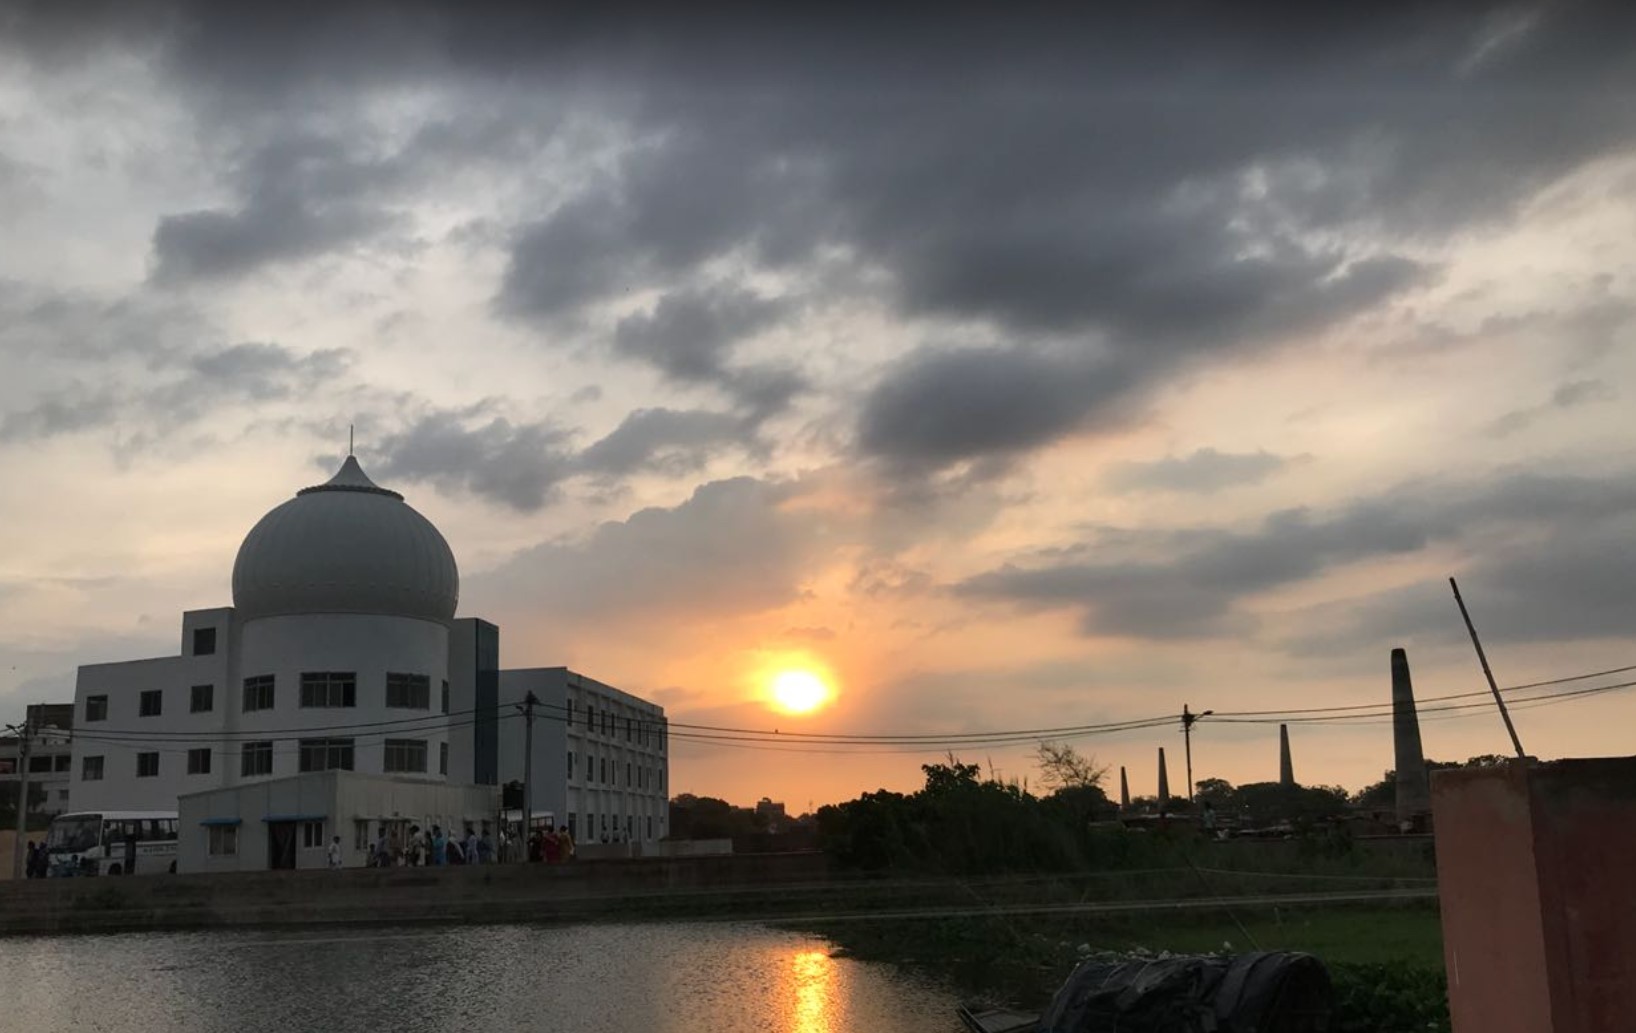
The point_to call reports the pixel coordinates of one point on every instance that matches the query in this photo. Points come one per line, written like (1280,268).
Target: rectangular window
(256,758)
(96,708)
(408,691)
(326,755)
(147,765)
(90,769)
(607,723)
(405,755)
(604,777)
(329,689)
(627,774)
(198,761)
(590,718)
(443,758)
(650,826)
(258,693)
(570,763)
(590,772)
(360,835)
(150,703)
(630,727)
(312,835)
(204,699)
(445,695)
(39,764)
(204,641)
(224,840)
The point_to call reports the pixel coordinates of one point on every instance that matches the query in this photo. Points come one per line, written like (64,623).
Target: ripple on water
(720,978)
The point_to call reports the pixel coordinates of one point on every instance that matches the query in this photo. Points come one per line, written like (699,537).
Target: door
(281,844)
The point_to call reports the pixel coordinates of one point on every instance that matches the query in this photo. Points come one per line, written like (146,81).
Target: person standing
(565,843)
(470,849)
(383,852)
(440,846)
(335,853)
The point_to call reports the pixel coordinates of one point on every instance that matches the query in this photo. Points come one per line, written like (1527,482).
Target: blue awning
(294,817)
(222,821)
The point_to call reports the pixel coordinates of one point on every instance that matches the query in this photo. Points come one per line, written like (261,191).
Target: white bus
(112,843)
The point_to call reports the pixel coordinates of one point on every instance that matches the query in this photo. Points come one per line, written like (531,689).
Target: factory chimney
(1164,783)
(1413,782)
(1286,767)
(1124,790)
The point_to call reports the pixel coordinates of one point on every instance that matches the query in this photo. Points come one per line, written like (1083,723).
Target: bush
(1392,998)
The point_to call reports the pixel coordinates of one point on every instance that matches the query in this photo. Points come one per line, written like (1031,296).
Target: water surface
(471,979)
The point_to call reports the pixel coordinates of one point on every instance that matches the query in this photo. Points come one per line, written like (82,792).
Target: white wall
(369,646)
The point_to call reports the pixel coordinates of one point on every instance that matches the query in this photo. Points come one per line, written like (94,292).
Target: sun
(799,691)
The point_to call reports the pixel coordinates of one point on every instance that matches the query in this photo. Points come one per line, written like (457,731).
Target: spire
(351,477)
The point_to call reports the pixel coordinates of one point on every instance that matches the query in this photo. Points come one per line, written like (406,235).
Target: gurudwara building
(340,696)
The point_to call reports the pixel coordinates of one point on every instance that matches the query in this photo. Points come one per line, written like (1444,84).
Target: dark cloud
(64,411)
(1203,472)
(1170,584)
(666,440)
(1571,395)
(688,334)
(517,465)
(732,548)
(936,408)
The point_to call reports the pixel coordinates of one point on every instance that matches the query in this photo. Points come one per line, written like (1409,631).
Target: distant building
(771,815)
(342,654)
(50,757)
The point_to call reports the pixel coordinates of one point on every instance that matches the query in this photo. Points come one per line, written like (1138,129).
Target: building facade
(342,652)
(50,758)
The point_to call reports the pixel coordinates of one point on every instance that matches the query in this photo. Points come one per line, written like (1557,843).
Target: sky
(1008,371)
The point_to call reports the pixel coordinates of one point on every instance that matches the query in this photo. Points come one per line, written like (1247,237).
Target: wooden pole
(1482,658)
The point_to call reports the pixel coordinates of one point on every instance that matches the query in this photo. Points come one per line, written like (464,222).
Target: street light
(1187,737)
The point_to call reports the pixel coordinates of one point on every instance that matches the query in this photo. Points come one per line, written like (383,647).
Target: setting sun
(799,692)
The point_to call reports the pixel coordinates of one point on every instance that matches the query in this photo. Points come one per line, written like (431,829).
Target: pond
(472,979)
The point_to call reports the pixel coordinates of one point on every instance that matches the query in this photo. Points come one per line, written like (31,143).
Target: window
(630,726)
(204,641)
(256,758)
(570,763)
(650,826)
(258,693)
(360,835)
(329,689)
(445,695)
(63,762)
(312,835)
(39,763)
(607,723)
(443,758)
(604,770)
(150,703)
(627,774)
(147,765)
(405,755)
(90,769)
(326,755)
(198,761)
(590,718)
(96,708)
(224,840)
(204,699)
(590,772)
(408,691)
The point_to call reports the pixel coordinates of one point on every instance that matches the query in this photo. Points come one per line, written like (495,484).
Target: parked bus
(107,842)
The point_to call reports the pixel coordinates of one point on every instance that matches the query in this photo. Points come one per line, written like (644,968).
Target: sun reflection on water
(812,975)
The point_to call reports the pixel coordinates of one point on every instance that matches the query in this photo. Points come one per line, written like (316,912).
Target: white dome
(347,546)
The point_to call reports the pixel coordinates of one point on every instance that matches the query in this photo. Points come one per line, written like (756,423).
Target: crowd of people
(36,863)
(434,847)
(551,846)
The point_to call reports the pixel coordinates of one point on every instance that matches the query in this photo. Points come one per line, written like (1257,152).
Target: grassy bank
(1386,961)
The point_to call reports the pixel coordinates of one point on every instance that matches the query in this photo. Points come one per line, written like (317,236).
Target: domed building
(341,696)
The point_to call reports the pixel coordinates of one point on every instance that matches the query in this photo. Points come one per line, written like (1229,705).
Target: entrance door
(281,844)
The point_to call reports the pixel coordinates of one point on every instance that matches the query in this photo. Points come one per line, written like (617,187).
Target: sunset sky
(1005,373)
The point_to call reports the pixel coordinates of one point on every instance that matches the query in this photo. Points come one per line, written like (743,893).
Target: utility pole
(1499,700)
(22,798)
(1187,738)
(529,702)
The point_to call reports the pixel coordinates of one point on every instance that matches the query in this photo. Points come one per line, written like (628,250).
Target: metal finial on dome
(351,477)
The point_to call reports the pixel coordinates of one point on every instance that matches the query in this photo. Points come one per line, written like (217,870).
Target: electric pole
(528,772)
(22,798)
(1187,738)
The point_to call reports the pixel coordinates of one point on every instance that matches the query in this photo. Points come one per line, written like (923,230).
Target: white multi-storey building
(342,652)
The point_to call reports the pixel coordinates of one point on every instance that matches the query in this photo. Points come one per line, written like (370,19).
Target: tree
(1062,767)
(1217,792)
